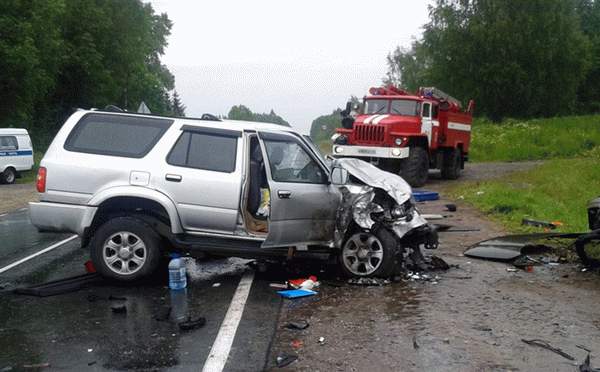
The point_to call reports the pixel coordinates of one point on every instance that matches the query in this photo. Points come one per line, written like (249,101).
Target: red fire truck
(407,133)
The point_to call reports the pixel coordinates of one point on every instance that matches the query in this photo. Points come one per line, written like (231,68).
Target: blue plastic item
(422,195)
(177,274)
(293,293)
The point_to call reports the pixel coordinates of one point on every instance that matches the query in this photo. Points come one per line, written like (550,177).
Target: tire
(415,169)
(588,249)
(125,249)
(367,254)
(452,164)
(9,175)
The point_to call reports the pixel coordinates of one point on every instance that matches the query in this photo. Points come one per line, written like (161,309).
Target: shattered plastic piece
(586,366)
(163,313)
(119,309)
(190,324)
(321,340)
(307,284)
(295,293)
(297,325)
(509,247)
(536,223)
(369,281)
(283,359)
(545,345)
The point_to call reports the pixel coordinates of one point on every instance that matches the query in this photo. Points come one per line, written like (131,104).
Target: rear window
(8,143)
(126,136)
(206,149)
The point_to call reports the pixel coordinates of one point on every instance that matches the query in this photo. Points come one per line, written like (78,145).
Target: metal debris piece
(545,345)
(283,359)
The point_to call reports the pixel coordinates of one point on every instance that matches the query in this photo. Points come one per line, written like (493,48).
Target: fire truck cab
(407,133)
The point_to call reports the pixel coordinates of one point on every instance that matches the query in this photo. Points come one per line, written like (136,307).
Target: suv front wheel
(369,254)
(125,249)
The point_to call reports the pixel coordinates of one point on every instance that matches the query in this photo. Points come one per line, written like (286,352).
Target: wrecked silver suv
(135,187)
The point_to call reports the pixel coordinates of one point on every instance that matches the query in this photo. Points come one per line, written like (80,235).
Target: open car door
(303,202)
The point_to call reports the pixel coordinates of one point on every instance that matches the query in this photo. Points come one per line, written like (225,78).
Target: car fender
(143,193)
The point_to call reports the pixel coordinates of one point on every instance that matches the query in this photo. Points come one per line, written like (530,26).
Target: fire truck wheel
(451,166)
(415,169)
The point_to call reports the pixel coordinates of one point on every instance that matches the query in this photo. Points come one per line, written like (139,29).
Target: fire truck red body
(407,133)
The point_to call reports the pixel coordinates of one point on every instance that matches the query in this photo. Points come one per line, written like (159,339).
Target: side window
(8,143)
(214,152)
(289,162)
(435,112)
(427,110)
(116,135)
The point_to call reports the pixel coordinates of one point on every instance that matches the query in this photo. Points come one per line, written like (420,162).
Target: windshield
(376,106)
(404,107)
(317,151)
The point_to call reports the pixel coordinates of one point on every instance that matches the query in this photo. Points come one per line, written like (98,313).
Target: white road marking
(222,345)
(37,254)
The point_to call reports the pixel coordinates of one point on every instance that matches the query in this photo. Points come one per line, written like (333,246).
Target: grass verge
(555,191)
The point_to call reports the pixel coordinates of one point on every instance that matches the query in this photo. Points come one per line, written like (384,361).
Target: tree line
(56,55)
(515,58)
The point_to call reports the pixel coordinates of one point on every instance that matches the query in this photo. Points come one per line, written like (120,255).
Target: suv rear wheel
(125,249)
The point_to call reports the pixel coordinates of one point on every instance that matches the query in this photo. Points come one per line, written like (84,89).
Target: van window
(207,151)
(130,137)
(8,143)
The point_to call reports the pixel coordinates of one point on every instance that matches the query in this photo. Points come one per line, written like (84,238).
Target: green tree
(31,55)
(113,50)
(242,112)
(589,92)
(323,127)
(516,58)
(177,108)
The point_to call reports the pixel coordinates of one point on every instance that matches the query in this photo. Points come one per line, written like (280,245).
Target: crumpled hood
(391,183)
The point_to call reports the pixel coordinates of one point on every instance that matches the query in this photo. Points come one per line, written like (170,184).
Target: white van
(16,154)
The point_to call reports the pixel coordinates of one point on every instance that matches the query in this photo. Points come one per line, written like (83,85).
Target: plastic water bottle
(177,277)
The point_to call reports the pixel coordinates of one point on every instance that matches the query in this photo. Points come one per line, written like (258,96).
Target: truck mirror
(339,176)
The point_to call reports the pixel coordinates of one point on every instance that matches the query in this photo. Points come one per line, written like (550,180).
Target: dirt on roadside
(16,196)
(473,317)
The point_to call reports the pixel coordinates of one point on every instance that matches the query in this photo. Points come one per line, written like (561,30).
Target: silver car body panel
(50,217)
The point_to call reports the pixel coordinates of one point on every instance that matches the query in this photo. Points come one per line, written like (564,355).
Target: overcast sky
(302,59)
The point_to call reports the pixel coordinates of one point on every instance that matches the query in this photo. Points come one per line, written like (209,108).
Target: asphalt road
(103,326)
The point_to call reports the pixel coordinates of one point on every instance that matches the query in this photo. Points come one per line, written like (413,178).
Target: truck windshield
(404,107)
(376,106)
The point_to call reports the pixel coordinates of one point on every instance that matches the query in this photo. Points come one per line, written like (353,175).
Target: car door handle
(173,177)
(284,194)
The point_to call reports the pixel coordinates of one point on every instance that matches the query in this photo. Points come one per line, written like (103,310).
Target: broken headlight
(404,209)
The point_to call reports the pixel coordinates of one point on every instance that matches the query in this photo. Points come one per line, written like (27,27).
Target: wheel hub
(125,253)
(362,254)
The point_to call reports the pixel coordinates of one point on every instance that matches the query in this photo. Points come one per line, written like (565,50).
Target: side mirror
(339,176)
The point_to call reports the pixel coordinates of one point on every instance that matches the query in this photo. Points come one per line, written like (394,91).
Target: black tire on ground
(125,249)
(588,249)
(367,254)
(415,169)
(452,164)
(8,176)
